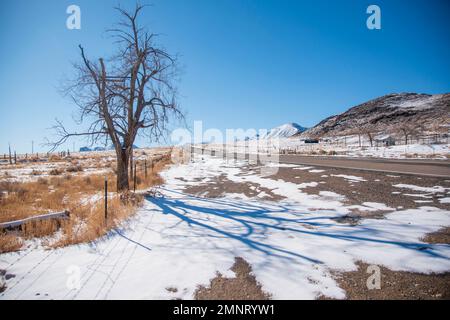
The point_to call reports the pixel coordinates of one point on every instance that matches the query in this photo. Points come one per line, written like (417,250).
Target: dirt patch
(221,185)
(377,187)
(2,280)
(369,187)
(440,236)
(395,285)
(356,216)
(243,287)
(352,220)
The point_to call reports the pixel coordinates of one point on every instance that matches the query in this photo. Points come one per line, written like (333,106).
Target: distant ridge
(387,113)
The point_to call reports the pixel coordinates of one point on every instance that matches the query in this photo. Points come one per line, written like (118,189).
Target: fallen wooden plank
(17,223)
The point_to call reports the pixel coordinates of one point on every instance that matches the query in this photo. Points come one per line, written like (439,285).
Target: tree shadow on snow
(249,223)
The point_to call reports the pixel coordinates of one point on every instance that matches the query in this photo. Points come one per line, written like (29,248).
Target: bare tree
(369,131)
(440,127)
(131,93)
(357,132)
(409,130)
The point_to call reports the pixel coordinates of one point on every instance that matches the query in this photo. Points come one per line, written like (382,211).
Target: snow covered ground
(181,241)
(340,147)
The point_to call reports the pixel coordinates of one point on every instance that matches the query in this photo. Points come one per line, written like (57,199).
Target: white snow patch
(434,189)
(303,168)
(348,177)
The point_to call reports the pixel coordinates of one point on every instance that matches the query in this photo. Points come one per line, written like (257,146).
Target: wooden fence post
(106,200)
(10,159)
(145,168)
(134,177)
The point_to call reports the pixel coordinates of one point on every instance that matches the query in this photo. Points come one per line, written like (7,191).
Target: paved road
(434,168)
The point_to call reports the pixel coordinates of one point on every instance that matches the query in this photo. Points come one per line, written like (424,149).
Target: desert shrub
(131,198)
(332,153)
(56,182)
(42,181)
(21,192)
(87,180)
(55,172)
(40,228)
(75,168)
(11,187)
(5,186)
(322,152)
(9,243)
(36,172)
(54,157)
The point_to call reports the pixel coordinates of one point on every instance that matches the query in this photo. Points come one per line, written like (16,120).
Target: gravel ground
(371,187)
(394,285)
(441,236)
(243,287)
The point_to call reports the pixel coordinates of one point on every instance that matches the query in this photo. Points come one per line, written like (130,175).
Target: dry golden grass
(88,223)
(9,243)
(73,193)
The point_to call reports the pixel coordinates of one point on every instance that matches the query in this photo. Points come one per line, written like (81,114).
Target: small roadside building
(385,141)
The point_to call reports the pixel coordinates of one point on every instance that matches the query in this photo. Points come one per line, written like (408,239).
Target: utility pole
(32,146)
(10,158)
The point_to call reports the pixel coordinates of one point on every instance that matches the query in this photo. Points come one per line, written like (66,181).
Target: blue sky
(245,63)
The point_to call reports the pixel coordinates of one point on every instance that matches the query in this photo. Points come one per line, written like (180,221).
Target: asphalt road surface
(433,168)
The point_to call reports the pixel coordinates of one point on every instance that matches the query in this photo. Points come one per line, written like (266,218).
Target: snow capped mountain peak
(284,131)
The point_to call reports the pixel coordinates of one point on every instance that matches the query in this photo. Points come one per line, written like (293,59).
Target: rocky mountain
(386,114)
(284,131)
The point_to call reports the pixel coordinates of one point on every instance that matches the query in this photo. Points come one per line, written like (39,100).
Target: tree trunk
(122,171)
(131,163)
